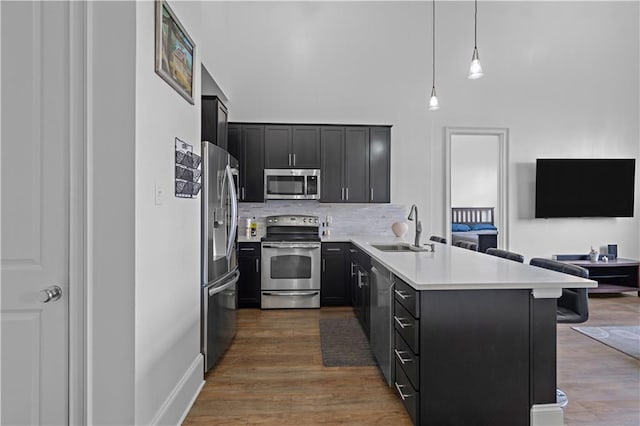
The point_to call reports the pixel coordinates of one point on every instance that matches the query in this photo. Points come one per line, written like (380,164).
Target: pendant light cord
(475,31)
(433,61)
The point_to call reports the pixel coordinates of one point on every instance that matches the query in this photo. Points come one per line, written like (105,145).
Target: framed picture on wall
(175,51)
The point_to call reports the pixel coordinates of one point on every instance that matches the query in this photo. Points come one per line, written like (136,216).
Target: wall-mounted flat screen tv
(585,187)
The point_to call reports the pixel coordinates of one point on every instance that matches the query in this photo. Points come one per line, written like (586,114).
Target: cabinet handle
(347,192)
(342,193)
(257,264)
(243,192)
(289,160)
(402,294)
(247,249)
(403,361)
(400,323)
(294,159)
(353,272)
(371,190)
(324,265)
(403,396)
(333,249)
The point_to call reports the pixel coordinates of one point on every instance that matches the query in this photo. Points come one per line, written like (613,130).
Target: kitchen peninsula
(475,336)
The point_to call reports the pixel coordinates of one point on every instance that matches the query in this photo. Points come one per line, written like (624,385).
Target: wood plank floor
(273,375)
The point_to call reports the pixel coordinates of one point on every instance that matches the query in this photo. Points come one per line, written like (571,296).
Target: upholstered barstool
(468,245)
(505,254)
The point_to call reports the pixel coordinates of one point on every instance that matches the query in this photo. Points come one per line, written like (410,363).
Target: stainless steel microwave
(291,184)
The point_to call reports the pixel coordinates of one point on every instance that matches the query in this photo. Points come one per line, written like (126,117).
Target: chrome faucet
(418,224)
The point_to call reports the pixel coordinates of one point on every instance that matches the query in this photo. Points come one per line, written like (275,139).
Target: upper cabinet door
(253,160)
(277,147)
(356,165)
(332,164)
(379,164)
(222,126)
(214,121)
(305,147)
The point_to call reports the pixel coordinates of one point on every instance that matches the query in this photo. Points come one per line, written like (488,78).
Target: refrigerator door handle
(231,240)
(216,290)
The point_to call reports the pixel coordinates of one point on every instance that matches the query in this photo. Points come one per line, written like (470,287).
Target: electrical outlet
(159,194)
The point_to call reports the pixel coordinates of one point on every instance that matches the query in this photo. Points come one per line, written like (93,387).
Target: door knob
(49,294)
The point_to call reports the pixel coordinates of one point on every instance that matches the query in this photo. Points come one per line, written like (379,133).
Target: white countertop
(455,268)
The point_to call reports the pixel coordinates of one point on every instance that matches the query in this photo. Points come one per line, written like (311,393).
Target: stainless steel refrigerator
(220,274)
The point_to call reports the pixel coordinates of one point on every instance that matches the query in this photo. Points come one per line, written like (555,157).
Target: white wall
(474,171)
(110,210)
(167,236)
(561,76)
(144,258)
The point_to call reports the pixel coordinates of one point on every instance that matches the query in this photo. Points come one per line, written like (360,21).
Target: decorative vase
(400,229)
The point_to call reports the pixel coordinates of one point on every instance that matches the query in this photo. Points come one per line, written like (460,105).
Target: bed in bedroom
(475,224)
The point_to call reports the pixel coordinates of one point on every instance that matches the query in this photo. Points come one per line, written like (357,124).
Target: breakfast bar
(474,336)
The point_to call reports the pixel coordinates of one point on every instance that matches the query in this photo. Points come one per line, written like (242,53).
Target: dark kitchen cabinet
(305,147)
(355,164)
(277,147)
(214,121)
(360,268)
(249,267)
(246,143)
(379,164)
(296,146)
(335,289)
(332,164)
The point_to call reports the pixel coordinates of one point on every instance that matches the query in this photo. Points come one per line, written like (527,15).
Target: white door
(35,212)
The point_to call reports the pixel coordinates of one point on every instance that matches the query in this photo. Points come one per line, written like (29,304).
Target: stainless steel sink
(402,247)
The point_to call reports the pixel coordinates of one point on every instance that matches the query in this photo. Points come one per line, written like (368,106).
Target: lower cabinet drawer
(407,326)
(410,397)
(409,361)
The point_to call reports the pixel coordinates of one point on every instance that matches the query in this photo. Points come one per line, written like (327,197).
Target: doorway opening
(476,168)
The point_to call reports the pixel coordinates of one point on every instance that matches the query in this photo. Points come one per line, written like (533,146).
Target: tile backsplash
(346,219)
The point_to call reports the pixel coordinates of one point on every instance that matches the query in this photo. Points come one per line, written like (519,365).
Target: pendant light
(433,101)
(475,70)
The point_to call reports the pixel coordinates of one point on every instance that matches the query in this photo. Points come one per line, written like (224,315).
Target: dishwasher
(381,335)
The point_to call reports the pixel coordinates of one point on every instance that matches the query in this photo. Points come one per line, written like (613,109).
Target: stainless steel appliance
(292,184)
(381,334)
(291,263)
(219,271)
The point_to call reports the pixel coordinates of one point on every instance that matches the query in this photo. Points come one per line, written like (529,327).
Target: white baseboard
(179,402)
(547,415)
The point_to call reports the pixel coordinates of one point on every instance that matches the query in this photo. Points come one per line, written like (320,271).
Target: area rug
(344,344)
(626,339)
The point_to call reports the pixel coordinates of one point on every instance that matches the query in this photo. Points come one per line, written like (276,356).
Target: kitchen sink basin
(401,247)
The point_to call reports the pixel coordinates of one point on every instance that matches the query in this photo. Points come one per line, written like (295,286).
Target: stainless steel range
(291,263)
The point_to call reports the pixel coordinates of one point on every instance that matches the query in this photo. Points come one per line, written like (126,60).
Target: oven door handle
(291,293)
(292,246)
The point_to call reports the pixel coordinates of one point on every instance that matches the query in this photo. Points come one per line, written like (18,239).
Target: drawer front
(249,249)
(615,275)
(409,361)
(408,297)
(410,397)
(334,248)
(407,326)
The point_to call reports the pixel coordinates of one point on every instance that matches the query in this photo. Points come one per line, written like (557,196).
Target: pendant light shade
(434,105)
(433,101)
(475,70)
